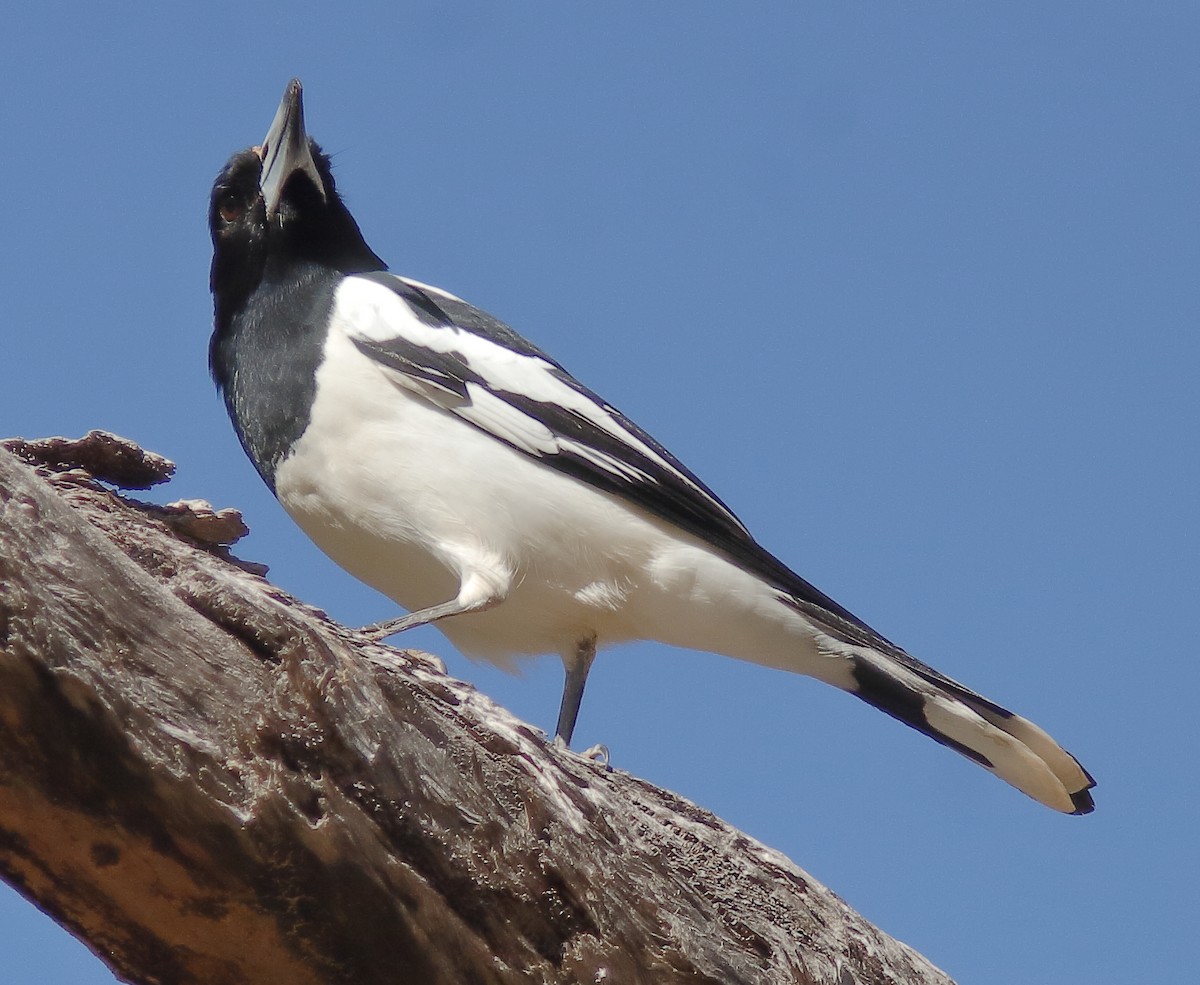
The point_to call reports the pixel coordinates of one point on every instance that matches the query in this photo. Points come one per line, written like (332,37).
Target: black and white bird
(444,460)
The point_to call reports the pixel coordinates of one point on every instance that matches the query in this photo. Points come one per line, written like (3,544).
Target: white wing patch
(502,419)
(371,312)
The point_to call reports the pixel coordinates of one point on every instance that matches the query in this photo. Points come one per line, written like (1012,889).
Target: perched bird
(441,458)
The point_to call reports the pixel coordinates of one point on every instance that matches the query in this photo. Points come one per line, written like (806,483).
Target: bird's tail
(1006,744)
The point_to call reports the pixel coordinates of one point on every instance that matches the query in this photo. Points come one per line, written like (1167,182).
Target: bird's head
(277,204)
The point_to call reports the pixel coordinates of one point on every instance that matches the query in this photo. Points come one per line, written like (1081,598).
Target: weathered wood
(210,782)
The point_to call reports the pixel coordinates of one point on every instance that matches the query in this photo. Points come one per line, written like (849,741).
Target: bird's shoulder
(484,372)
(477,368)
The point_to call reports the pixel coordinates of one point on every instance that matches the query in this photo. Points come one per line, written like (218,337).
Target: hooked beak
(285,150)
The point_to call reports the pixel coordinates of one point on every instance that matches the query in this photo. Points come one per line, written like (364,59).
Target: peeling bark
(210,782)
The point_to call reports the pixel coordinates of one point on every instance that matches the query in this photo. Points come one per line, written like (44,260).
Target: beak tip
(285,149)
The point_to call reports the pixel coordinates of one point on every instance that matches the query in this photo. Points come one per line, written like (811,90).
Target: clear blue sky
(912,286)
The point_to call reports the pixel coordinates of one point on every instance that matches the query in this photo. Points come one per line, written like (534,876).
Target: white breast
(411,500)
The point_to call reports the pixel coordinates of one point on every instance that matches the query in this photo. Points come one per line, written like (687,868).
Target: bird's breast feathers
(410,484)
(413,484)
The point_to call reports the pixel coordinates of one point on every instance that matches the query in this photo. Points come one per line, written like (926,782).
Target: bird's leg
(475,596)
(577,672)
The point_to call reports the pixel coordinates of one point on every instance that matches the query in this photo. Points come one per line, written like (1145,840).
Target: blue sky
(911,286)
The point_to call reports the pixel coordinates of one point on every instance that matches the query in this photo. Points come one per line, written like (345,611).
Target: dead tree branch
(210,782)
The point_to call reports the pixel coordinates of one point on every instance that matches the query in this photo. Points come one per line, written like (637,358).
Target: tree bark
(210,782)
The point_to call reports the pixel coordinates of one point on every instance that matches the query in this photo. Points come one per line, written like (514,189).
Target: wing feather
(477,368)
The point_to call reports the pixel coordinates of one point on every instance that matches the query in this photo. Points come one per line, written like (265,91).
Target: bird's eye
(231,209)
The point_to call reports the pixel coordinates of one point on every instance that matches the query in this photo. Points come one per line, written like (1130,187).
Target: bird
(441,458)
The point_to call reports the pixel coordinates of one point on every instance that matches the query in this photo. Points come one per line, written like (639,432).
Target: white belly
(412,500)
(409,499)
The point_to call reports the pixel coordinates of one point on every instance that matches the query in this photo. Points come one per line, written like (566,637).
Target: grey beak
(285,150)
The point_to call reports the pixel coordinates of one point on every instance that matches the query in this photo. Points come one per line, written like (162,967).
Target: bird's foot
(596,754)
(390,627)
